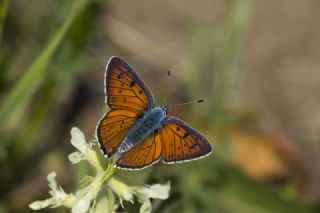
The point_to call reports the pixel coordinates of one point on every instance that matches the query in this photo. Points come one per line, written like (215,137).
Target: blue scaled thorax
(149,123)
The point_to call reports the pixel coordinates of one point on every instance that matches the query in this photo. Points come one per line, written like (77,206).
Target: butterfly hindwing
(142,155)
(176,142)
(124,88)
(182,143)
(113,128)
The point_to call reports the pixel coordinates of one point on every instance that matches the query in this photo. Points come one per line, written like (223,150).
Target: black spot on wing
(185,135)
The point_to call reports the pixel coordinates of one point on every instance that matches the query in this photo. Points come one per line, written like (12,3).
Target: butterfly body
(148,125)
(142,133)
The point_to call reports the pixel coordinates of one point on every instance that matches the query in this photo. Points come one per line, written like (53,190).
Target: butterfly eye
(164,110)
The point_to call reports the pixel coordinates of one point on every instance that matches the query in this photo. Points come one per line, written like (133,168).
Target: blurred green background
(256,64)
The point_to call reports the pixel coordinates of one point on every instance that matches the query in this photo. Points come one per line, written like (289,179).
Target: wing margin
(176,129)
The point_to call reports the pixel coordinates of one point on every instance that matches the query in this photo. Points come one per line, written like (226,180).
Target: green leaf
(3,11)
(34,76)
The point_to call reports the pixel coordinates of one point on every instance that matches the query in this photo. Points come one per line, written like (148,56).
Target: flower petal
(76,157)
(36,205)
(78,140)
(158,191)
(123,191)
(51,177)
(104,204)
(93,159)
(83,204)
(146,206)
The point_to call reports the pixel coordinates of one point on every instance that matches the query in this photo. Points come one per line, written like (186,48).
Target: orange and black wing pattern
(113,128)
(176,142)
(124,89)
(142,155)
(128,97)
(181,143)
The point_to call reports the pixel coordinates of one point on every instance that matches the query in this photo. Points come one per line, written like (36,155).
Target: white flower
(103,206)
(79,203)
(146,206)
(87,195)
(86,199)
(76,157)
(59,197)
(78,140)
(36,205)
(85,151)
(106,204)
(123,191)
(82,205)
(155,191)
(144,193)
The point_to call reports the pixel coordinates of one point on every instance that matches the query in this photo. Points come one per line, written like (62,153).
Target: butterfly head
(164,109)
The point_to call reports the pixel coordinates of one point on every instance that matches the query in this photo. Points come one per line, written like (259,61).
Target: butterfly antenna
(166,85)
(185,103)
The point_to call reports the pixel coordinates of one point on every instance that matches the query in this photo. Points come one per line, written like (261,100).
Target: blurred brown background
(256,64)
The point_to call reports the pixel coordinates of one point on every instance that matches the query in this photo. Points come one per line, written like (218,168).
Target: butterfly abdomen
(146,126)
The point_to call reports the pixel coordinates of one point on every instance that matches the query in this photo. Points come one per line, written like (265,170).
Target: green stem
(25,142)
(109,171)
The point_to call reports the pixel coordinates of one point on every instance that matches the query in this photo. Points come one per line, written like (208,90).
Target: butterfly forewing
(125,89)
(128,97)
(181,143)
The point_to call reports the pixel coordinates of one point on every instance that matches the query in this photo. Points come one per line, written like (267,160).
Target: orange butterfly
(141,132)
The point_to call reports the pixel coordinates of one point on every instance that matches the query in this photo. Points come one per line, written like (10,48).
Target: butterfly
(137,129)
